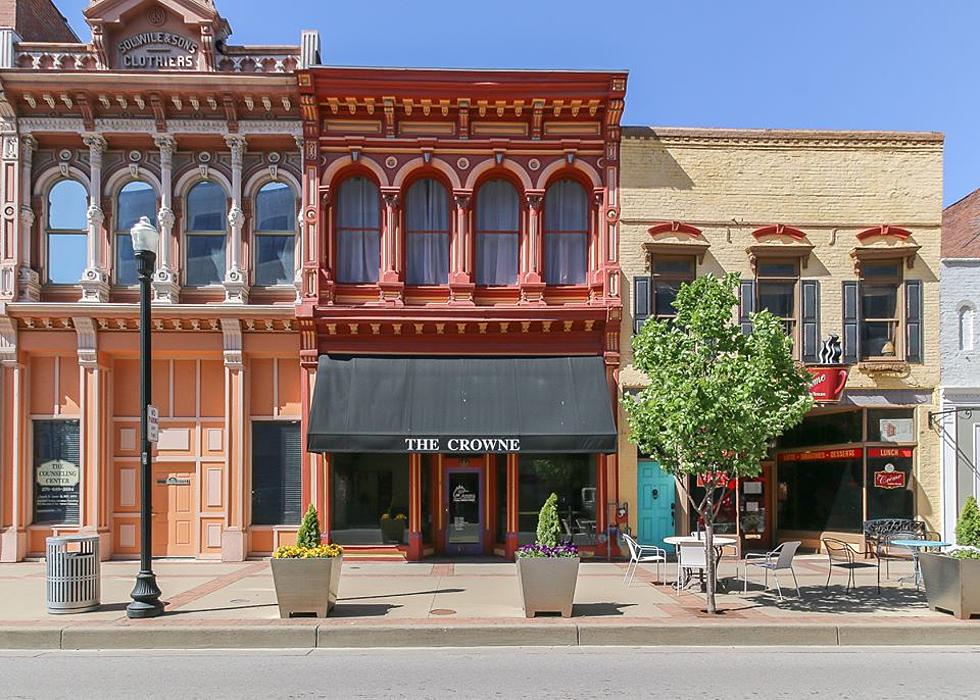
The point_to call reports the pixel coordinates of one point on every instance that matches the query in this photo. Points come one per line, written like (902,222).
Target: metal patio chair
(842,555)
(643,554)
(690,558)
(779,559)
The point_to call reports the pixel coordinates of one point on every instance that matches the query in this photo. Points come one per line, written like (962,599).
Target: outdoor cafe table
(915,546)
(688,540)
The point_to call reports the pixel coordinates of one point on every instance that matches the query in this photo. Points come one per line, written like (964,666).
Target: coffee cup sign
(158,51)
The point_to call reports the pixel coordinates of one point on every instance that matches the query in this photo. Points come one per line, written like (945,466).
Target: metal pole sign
(152,424)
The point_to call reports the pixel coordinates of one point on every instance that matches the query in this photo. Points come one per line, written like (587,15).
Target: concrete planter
(952,585)
(547,584)
(306,586)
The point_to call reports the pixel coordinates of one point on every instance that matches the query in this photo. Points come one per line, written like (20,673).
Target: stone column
(29,285)
(13,532)
(165,287)
(236,281)
(391,282)
(532,286)
(233,537)
(460,280)
(95,279)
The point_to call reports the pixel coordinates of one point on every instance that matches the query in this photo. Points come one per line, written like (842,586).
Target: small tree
(309,530)
(717,398)
(968,525)
(549,528)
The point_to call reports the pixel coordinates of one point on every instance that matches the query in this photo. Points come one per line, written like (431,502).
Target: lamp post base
(146,597)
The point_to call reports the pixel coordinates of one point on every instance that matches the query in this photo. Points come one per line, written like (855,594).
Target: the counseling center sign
(56,490)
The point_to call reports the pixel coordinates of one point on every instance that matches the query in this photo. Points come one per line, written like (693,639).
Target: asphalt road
(582,672)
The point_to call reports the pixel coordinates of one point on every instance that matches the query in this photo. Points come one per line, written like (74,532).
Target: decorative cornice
(231,330)
(784,138)
(88,346)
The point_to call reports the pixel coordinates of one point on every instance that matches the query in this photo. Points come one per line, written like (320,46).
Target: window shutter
(810,332)
(913,321)
(746,305)
(641,302)
(852,337)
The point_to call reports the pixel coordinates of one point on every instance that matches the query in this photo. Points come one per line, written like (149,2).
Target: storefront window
(573,478)
(725,521)
(277,476)
(821,490)
(501,476)
(837,428)
(891,425)
(369,499)
(56,472)
(889,482)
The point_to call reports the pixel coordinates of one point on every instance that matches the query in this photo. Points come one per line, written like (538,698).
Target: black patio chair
(843,555)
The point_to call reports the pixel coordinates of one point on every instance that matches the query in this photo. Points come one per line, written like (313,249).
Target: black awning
(465,405)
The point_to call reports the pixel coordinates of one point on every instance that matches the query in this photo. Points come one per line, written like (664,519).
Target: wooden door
(655,507)
(173,511)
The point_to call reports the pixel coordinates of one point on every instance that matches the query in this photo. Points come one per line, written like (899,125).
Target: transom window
(669,272)
(776,282)
(275,234)
(67,232)
(207,210)
(136,200)
(498,216)
(358,231)
(880,308)
(427,233)
(566,233)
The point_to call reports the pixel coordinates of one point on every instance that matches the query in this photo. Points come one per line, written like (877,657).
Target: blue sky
(808,64)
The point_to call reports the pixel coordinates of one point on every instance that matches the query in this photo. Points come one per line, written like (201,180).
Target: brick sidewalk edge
(310,636)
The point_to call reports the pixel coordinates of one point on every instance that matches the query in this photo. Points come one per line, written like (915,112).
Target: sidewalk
(214,605)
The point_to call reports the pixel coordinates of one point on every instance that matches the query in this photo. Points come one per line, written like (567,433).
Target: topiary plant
(309,530)
(549,528)
(968,525)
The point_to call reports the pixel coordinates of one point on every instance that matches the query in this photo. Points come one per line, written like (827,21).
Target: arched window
(566,233)
(275,234)
(136,200)
(966,328)
(427,233)
(358,231)
(207,210)
(498,216)
(67,232)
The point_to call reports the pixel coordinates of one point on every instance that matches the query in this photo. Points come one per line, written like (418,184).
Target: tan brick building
(838,233)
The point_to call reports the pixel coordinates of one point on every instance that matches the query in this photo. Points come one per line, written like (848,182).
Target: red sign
(827,382)
(720,478)
(890,452)
(822,455)
(890,480)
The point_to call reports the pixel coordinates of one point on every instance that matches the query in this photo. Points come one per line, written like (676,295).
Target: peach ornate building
(156,115)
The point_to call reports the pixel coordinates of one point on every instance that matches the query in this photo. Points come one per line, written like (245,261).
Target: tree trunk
(709,550)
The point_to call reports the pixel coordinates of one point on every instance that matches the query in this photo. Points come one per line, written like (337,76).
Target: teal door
(654,504)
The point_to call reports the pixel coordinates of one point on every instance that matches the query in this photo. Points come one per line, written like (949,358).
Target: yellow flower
(324,551)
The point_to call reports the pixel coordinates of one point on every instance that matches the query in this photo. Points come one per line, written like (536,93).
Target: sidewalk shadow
(403,595)
(230,608)
(600,609)
(362,609)
(817,599)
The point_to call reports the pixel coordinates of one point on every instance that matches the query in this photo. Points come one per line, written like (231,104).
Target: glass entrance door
(464,499)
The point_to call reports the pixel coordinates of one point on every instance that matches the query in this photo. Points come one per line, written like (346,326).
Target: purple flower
(540,551)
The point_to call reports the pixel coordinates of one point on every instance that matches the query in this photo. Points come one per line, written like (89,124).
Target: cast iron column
(146,593)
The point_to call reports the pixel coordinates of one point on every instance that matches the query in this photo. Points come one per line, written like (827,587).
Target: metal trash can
(72,564)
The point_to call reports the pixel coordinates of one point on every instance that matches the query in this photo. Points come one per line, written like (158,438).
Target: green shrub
(309,529)
(549,528)
(968,526)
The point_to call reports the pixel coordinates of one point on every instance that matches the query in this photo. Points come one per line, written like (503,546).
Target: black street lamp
(146,593)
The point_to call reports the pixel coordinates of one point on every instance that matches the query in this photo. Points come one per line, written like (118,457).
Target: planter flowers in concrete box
(547,571)
(952,579)
(307,574)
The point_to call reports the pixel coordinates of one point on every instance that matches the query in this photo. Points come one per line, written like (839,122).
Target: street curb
(559,633)
(462,635)
(708,635)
